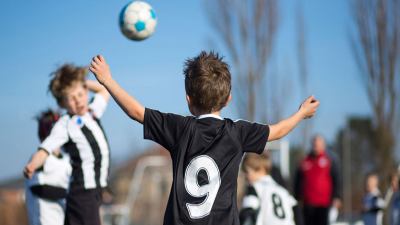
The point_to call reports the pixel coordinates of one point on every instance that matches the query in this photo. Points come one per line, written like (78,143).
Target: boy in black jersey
(206,149)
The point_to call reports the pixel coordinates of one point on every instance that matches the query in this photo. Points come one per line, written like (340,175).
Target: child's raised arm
(37,161)
(130,105)
(281,129)
(97,88)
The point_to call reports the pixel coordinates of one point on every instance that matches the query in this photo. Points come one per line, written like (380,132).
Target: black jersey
(206,153)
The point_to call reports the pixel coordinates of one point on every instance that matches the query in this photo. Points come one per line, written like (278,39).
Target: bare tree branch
(303,70)
(377,53)
(247,30)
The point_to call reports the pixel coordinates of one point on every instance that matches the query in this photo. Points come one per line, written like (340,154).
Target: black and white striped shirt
(267,203)
(84,139)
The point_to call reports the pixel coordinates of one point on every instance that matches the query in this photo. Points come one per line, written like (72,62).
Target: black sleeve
(249,213)
(248,216)
(253,136)
(163,128)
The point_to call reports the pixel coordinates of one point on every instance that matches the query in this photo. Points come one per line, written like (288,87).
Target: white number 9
(210,190)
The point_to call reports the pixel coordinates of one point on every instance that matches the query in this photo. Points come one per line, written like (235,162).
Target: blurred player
(373,203)
(78,132)
(317,184)
(47,189)
(266,202)
(392,199)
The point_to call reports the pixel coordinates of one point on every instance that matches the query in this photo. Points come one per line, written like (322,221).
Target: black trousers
(83,207)
(315,215)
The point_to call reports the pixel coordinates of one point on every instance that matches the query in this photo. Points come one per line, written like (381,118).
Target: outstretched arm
(281,129)
(130,105)
(37,161)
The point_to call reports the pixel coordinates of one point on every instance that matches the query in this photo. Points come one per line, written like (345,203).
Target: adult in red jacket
(317,184)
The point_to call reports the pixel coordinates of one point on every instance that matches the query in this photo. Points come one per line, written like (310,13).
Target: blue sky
(37,36)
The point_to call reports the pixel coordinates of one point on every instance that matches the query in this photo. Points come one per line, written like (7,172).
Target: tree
(303,69)
(355,147)
(247,30)
(376,50)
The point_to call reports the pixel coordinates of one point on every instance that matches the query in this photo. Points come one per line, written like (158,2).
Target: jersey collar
(209,115)
(267,178)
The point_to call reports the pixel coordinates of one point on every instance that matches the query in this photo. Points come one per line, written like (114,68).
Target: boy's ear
(229,99)
(188,99)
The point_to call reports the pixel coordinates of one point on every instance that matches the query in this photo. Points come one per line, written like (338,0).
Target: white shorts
(42,211)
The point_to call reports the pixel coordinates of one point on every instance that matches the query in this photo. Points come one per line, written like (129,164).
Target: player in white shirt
(266,202)
(46,190)
(80,134)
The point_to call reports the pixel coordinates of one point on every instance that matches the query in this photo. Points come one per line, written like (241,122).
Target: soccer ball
(137,20)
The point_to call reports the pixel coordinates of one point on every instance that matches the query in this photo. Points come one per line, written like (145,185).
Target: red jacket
(316,182)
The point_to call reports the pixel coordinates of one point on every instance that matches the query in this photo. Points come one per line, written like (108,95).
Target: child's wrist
(31,167)
(302,114)
(106,81)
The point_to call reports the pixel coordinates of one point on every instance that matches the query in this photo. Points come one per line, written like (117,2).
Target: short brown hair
(207,82)
(257,162)
(65,77)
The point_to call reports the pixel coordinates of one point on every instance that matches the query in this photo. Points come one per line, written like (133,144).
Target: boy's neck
(217,113)
(259,176)
(78,114)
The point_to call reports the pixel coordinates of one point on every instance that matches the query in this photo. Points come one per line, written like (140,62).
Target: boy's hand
(309,107)
(28,171)
(100,69)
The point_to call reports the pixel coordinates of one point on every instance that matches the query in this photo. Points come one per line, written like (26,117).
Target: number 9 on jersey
(210,190)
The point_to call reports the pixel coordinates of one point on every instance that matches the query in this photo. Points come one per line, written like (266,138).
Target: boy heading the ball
(206,149)
(79,133)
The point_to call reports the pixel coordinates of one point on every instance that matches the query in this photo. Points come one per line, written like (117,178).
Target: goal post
(280,155)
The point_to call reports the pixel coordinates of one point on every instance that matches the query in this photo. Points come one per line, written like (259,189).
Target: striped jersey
(267,203)
(83,138)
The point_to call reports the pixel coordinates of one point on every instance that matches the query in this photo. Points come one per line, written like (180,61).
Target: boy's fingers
(95,60)
(101,58)
(27,172)
(93,69)
(94,65)
(316,103)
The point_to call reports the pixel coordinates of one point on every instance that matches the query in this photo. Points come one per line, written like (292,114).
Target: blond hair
(257,162)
